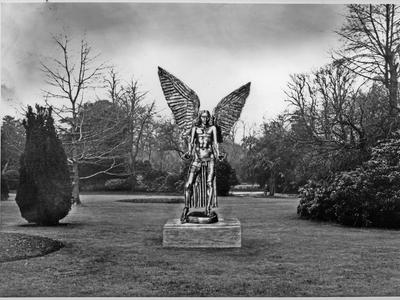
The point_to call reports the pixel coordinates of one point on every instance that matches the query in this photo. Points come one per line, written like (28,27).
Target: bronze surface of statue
(204,134)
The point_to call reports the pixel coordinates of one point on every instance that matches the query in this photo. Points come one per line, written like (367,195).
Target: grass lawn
(115,249)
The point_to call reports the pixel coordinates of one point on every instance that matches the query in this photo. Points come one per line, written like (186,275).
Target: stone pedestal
(226,233)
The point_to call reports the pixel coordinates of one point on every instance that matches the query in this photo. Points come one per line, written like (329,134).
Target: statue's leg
(210,188)
(193,171)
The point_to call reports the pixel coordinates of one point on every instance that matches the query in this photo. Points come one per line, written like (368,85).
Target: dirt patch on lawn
(16,246)
(153,200)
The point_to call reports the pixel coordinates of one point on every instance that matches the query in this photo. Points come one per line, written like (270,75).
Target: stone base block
(226,233)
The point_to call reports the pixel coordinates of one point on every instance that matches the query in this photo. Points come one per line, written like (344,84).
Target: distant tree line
(338,139)
(117,142)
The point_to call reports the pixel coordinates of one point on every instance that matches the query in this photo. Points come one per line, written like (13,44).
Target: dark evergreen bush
(153,180)
(44,192)
(170,183)
(226,177)
(366,196)
(315,202)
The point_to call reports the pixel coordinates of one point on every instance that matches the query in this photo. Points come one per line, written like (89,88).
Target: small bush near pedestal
(44,192)
(366,196)
(226,177)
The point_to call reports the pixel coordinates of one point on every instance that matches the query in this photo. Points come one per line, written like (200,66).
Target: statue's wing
(183,101)
(229,109)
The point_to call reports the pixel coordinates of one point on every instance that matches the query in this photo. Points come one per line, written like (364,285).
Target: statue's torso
(203,143)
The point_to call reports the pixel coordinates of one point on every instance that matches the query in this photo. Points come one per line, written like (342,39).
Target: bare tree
(113,85)
(168,145)
(68,78)
(101,141)
(371,38)
(325,108)
(135,117)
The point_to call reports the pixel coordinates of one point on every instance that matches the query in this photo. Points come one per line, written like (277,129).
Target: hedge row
(367,196)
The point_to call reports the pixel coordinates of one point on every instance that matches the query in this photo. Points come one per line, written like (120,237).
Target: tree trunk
(161,161)
(132,168)
(272,185)
(75,167)
(75,184)
(393,100)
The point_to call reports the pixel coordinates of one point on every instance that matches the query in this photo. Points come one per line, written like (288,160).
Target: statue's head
(204,118)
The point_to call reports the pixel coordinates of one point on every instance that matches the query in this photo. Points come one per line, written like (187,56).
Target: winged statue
(204,133)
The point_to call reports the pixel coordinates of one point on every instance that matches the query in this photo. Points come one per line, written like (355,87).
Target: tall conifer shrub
(45,191)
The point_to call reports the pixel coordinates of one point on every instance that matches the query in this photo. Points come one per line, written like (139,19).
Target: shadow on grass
(250,249)
(69,225)
(347,227)
(17,246)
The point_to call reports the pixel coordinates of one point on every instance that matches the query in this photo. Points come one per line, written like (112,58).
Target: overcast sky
(213,48)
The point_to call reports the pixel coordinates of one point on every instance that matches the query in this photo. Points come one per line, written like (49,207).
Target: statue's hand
(187,155)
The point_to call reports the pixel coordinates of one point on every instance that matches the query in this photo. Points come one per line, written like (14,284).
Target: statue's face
(204,118)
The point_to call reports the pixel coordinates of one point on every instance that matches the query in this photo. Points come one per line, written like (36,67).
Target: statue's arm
(191,142)
(215,141)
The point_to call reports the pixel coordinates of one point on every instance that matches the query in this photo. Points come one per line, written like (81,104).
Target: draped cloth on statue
(199,195)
